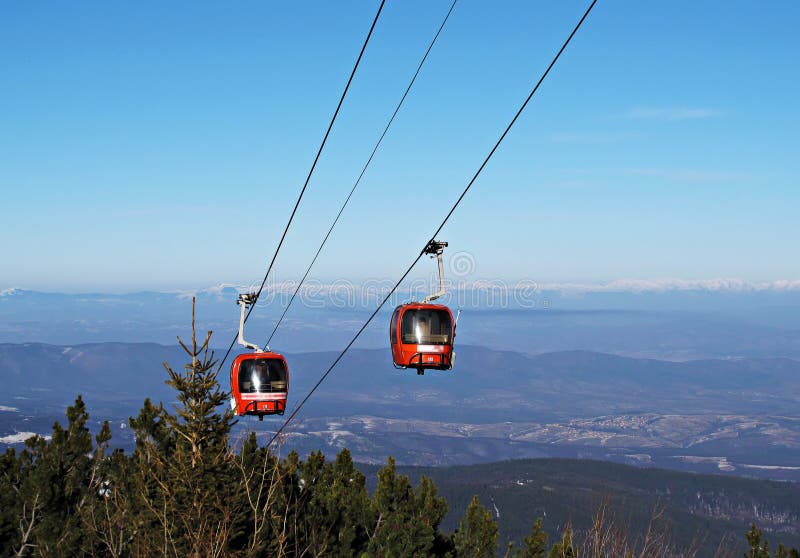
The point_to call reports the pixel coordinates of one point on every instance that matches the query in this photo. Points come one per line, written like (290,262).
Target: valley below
(708,444)
(732,417)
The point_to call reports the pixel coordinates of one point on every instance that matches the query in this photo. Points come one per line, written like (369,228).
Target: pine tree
(753,537)
(477,533)
(107,517)
(564,548)
(183,464)
(53,487)
(149,501)
(536,542)
(258,500)
(784,552)
(10,514)
(405,523)
(349,496)
(335,506)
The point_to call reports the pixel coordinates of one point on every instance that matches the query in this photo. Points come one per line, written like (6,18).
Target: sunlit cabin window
(427,327)
(262,375)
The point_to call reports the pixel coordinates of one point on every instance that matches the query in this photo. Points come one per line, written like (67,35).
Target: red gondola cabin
(259,384)
(422,336)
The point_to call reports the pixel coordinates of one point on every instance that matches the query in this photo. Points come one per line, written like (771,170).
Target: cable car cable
(447,217)
(363,170)
(308,178)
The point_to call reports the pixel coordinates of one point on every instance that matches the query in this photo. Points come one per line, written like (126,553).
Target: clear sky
(162,144)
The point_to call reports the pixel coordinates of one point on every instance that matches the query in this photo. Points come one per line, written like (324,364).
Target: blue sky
(152,145)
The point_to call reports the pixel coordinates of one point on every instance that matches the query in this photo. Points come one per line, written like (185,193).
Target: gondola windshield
(262,375)
(427,327)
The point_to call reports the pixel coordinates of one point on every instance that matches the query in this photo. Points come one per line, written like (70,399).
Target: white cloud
(671,113)
(8,409)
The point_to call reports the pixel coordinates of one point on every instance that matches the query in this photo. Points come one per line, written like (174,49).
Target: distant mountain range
(732,416)
(663,320)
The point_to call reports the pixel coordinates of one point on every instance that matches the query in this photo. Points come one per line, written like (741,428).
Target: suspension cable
(438,230)
(308,178)
(363,170)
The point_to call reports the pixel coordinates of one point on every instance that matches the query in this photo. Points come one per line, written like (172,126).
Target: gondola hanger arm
(435,249)
(244,301)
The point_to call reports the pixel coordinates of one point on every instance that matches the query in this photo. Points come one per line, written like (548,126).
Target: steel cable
(308,178)
(438,230)
(363,170)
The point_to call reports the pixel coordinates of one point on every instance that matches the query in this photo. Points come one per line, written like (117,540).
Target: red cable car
(421,334)
(259,380)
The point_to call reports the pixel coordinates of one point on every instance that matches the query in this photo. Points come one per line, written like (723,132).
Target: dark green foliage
(570,490)
(184,483)
(10,471)
(754,538)
(565,548)
(477,533)
(759,546)
(54,484)
(536,542)
(405,522)
(334,506)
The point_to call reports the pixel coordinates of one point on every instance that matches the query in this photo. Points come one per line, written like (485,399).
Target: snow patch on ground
(8,409)
(722,463)
(18,437)
(76,356)
(772,467)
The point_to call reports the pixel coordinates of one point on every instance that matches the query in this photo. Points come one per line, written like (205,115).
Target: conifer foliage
(477,533)
(188,489)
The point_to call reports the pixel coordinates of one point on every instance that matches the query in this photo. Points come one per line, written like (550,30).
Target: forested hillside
(696,510)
